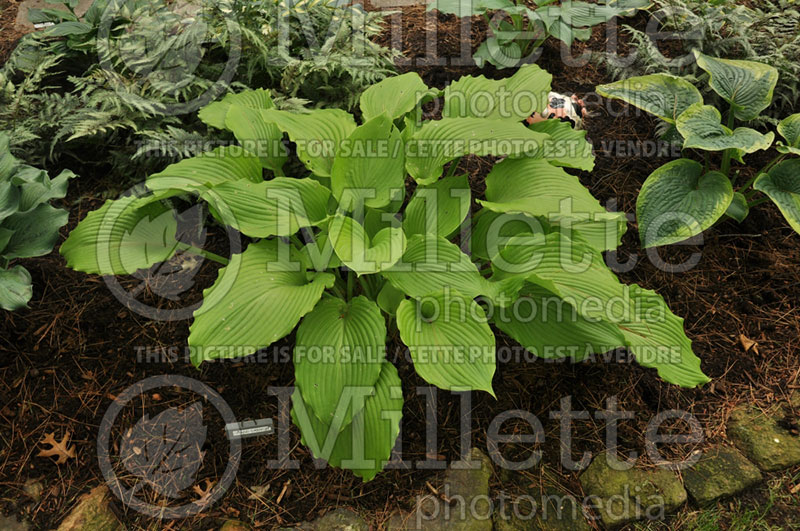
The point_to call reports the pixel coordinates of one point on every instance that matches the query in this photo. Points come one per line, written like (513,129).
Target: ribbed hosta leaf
(36,187)
(663,95)
(223,164)
(258,136)
(701,128)
(279,207)
(678,201)
(789,129)
(439,208)
(516,97)
(438,142)
(365,445)
(389,298)
(549,327)
(566,147)
(577,273)
(363,254)
(257,299)
(450,341)
(394,96)
(369,165)
(15,288)
(317,135)
(738,209)
(782,185)
(339,345)
(121,237)
(214,114)
(491,230)
(748,86)
(35,232)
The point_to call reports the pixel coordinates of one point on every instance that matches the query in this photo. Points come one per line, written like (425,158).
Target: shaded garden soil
(64,360)
(8,32)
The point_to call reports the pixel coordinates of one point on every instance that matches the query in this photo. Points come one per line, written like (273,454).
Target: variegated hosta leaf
(513,98)
(214,114)
(566,146)
(789,129)
(363,254)
(15,288)
(738,209)
(365,445)
(257,299)
(536,188)
(450,341)
(317,134)
(782,185)
(439,208)
(678,201)
(278,207)
(369,165)
(258,136)
(662,95)
(577,273)
(212,168)
(340,345)
(122,236)
(394,96)
(746,85)
(438,142)
(701,127)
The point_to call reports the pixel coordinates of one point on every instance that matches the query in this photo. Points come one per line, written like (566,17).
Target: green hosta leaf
(789,129)
(339,344)
(15,288)
(746,85)
(677,201)
(365,445)
(258,136)
(567,146)
(357,252)
(369,165)
(663,95)
(782,185)
(550,327)
(319,254)
(279,207)
(121,237)
(317,135)
(467,8)
(223,164)
(513,98)
(440,141)
(491,230)
(738,209)
(394,96)
(257,299)
(36,187)
(9,199)
(497,52)
(389,298)
(701,128)
(215,114)
(439,208)
(450,341)
(35,231)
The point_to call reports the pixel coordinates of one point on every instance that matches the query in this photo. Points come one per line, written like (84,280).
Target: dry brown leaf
(62,450)
(204,492)
(748,344)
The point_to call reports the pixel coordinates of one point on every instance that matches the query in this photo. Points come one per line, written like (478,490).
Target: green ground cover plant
(29,224)
(344,254)
(683,198)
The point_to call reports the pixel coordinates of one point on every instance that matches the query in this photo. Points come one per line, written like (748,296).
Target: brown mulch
(9,35)
(63,360)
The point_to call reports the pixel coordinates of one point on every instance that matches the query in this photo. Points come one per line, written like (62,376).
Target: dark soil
(64,360)
(8,32)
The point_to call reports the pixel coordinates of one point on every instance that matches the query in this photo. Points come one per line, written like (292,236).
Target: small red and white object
(561,107)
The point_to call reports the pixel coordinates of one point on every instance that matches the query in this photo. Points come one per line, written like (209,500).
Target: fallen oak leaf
(748,344)
(204,492)
(62,449)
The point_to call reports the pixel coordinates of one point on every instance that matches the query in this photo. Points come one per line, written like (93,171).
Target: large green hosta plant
(684,198)
(28,223)
(342,256)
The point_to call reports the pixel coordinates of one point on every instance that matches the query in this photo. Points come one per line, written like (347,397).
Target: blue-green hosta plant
(516,36)
(340,254)
(28,223)
(684,197)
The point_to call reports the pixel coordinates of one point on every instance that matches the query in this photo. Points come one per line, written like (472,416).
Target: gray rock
(338,520)
(720,473)
(547,510)
(10,523)
(622,496)
(762,440)
(92,513)
(464,504)
(234,525)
